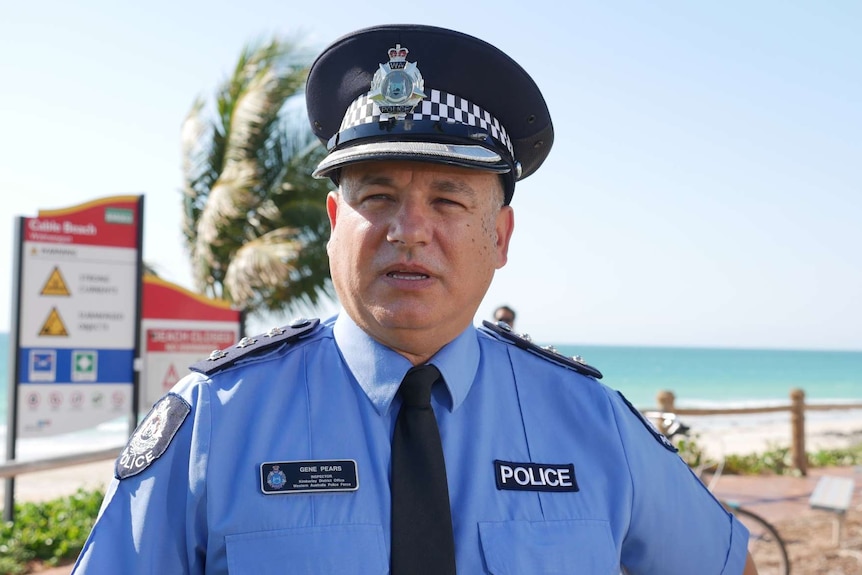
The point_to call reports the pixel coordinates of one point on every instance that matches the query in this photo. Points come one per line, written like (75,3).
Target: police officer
(286,452)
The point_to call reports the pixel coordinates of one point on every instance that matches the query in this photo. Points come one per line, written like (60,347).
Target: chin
(404,317)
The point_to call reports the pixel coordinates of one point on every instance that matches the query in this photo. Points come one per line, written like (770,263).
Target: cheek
(338,246)
(489,237)
(347,239)
(341,260)
(476,241)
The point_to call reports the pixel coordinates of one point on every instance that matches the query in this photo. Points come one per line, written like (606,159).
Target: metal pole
(137,355)
(12,381)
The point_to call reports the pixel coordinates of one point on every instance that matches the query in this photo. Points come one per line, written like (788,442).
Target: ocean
(698,377)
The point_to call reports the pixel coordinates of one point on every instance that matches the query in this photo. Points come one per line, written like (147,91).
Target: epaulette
(220,359)
(524,341)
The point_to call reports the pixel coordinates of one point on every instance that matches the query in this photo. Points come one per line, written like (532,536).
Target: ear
(505,227)
(332,199)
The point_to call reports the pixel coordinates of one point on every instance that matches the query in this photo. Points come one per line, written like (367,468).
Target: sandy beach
(744,436)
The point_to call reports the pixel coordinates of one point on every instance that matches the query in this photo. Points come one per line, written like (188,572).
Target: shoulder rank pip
(523,341)
(220,359)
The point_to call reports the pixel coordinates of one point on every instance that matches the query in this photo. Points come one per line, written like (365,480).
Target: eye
(376,197)
(446,201)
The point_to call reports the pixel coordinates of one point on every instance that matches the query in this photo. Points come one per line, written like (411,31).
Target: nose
(411,225)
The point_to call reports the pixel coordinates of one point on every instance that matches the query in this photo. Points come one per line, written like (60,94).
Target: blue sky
(705,186)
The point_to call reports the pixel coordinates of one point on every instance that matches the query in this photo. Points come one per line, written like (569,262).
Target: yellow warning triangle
(55,285)
(53,325)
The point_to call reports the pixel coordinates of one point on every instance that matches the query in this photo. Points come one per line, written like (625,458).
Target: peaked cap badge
(397,85)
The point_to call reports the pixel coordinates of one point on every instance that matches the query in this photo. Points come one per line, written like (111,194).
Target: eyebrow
(374,180)
(440,184)
(350,185)
(454,187)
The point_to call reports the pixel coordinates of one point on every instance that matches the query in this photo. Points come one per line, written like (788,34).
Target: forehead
(397,173)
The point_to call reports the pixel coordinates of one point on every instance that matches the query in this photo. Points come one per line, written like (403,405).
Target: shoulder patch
(221,359)
(658,435)
(153,435)
(503,331)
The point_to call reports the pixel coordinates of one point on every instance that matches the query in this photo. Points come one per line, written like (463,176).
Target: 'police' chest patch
(308,476)
(535,476)
(153,435)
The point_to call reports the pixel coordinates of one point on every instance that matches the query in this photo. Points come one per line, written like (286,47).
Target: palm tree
(255,220)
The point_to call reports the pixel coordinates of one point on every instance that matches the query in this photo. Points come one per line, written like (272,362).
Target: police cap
(414,92)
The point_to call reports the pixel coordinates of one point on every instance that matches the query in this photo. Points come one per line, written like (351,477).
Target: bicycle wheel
(764,543)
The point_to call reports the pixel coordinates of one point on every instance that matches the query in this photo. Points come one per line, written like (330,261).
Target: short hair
(505,309)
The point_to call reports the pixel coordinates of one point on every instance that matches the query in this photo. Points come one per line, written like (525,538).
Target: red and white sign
(179,327)
(77,315)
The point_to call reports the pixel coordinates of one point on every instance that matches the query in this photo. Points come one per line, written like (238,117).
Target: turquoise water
(698,377)
(725,377)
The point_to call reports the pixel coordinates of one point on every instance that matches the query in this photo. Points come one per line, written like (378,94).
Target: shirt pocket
(357,549)
(571,546)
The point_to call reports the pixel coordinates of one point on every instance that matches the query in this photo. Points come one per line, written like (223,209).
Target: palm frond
(255,220)
(259,264)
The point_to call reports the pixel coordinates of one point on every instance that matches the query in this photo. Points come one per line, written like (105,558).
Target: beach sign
(76,320)
(178,328)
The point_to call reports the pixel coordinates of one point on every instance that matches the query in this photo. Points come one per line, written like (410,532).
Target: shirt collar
(379,370)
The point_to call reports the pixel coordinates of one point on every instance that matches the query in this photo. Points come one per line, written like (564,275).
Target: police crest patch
(152,436)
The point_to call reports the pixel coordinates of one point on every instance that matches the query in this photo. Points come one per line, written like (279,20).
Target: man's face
(414,247)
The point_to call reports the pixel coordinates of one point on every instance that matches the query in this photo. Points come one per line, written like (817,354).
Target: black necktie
(422,539)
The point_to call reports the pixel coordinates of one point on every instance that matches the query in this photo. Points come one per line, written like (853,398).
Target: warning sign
(54,326)
(178,328)
(55,285)
(171,378)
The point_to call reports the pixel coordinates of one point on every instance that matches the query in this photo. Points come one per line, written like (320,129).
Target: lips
(408,276)
(407,272)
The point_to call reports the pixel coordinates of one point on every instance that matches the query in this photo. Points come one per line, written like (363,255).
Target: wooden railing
(13,468)
(666,401)
(10,469)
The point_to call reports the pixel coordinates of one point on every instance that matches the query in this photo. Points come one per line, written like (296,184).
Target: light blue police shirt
(520,433)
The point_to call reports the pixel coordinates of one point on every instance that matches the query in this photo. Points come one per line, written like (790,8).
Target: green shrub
(836,457)
(775,460)
(48,532)
(691,451)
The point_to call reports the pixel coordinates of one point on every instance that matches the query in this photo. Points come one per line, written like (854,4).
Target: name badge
(535,476)
(320,476)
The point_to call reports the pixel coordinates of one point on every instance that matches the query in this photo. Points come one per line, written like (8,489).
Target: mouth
(407,272)
(407,275)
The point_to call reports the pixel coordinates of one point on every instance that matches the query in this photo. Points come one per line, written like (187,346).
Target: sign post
(76,320)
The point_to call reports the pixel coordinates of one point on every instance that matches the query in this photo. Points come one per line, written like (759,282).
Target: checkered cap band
(437,106)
